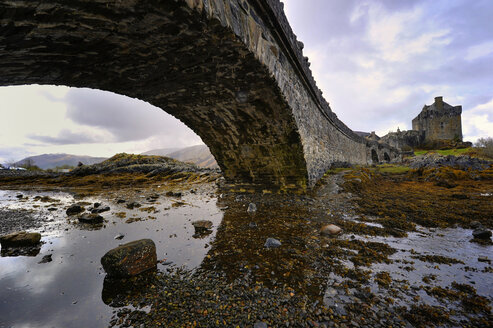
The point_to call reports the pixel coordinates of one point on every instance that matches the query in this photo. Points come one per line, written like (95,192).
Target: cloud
(386,59)
(479,50)
(126,119)
(67,137)
(13,154)
(477,122)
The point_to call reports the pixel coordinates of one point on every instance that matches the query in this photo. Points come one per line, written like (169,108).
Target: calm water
(67,292)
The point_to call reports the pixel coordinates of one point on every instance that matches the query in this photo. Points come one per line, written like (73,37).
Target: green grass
(444,152)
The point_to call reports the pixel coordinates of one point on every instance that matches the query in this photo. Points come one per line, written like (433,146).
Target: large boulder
(20,238)
(130,259)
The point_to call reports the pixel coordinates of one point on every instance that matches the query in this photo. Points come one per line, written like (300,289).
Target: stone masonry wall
(232,70)
(444,125)
(325,139)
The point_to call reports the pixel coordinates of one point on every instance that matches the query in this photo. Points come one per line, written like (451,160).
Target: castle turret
(439,103)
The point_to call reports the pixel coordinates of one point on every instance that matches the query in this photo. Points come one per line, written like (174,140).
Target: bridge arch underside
(172,57)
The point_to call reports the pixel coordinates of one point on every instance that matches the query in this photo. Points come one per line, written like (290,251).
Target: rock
(484,259)
(91,218)
(46,259)
(202,226)
(130,259)
(132,205)
(20,238)
(260,324)
(165,262)
(272,243)
(330,229)
(252,208)
(475,225)
(173,194)
(482,233)
(119,236)
(121,201)
(252,225)
(96,205)
(100,209)
(74,209)
(51,209)
(19,196)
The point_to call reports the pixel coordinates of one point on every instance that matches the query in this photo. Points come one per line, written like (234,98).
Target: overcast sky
(377,62)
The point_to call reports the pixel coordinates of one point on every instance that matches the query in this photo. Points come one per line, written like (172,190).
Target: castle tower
(439,121)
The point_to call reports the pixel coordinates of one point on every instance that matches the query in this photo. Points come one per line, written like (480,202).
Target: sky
(377,62)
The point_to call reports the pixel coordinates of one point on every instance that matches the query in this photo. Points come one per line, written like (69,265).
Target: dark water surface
(67,292)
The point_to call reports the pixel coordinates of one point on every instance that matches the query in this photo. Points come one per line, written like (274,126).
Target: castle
(438,123)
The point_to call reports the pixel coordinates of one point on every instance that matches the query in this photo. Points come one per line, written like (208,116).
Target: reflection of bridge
(231,70)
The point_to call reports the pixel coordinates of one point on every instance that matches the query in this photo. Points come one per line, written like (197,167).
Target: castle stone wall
(439,121)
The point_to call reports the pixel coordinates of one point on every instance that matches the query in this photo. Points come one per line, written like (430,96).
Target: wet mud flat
(382,270)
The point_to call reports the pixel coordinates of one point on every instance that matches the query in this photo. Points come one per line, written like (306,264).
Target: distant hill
(199,155)
(160,152)
(50,161)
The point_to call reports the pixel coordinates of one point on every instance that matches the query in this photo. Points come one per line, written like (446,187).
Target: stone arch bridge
(232,70)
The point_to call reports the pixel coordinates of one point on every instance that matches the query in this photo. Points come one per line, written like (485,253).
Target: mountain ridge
(199,155)
(50,161)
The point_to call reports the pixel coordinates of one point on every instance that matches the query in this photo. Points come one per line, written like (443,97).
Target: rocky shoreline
(398,260)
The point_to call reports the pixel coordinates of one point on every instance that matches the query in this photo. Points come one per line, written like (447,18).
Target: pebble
(252,208)
(330,229)
(272,243)
(252,225)
(484,259)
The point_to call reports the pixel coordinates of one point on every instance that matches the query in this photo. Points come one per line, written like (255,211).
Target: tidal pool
(67,292)
(334,276)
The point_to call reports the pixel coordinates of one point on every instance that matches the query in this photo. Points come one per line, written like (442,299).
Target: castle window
(441,125)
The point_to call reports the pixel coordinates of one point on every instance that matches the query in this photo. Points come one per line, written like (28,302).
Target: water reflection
(70,291)
(238,249)
(20,251)
(117,292)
